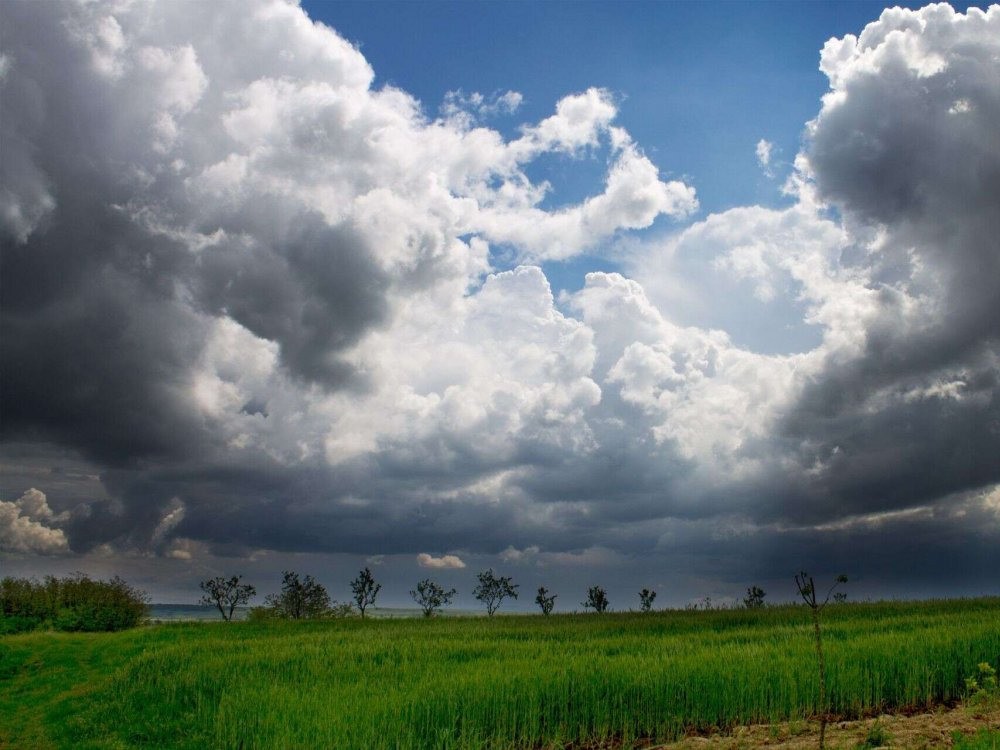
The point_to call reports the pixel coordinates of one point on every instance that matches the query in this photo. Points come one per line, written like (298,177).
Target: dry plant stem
(822,680)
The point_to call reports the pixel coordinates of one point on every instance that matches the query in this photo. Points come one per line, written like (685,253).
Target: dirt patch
(931,729)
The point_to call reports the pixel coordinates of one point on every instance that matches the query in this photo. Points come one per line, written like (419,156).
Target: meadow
(502,682)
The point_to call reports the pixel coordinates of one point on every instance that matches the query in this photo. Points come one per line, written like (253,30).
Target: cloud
(273,307)
(26,526)
(520,556)
(764,151)
(444,562)
(466,110)
(928,242)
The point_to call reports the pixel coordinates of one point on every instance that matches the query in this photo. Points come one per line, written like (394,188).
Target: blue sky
(699,84)
(264,304)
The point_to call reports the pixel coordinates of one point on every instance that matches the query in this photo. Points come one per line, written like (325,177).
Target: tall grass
(516,682)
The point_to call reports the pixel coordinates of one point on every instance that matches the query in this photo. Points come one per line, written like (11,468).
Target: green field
(506,682)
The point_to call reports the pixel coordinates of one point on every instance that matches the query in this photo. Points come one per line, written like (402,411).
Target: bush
(301,598)
(337,610)
(75,603)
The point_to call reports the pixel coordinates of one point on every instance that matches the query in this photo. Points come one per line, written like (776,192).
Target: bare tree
(493,589)
(754,598)
(545,601)
(807,590)
(597,599)
(226,594)
(365,590)
(430,596)
(646,598)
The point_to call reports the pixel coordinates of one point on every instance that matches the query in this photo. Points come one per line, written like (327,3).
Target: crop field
(506,682)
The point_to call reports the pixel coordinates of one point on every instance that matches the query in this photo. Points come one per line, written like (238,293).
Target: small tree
(300,598)
(430,596)
(597,599)
(365,590)
(807,590)
(493,589)
(754,598)
(545,601)
(646,598)
(226,594)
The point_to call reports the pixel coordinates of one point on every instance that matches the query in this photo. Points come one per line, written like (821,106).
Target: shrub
(545,601)
(982,690)
(431,596)
(493,589)
(301,598)
(754,598)
(75,603)
(597,599)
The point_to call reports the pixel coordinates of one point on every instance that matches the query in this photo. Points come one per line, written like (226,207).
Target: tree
(545,601)
(646,598)
(597,599)
(754,598)
(300,598)
(365,590)
(807,590)
(430,596)
(226,594)
(493,589)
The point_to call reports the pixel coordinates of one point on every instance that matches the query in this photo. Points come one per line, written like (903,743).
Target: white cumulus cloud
(26,526)
(425,560)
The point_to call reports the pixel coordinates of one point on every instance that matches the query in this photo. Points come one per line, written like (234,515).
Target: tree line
(302,597)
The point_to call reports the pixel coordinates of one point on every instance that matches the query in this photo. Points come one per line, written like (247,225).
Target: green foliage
(877,736)
(544,601)
(597,599)
(493,589)
(981,689)
(301,598)
(646,598)
(430,596)
(74,603)
(984,739)
(364,589)
(464,683)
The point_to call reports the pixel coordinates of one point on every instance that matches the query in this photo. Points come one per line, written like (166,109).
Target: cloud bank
(278,308)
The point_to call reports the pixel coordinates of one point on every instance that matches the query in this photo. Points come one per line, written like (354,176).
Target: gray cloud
(248,300)
(907,145)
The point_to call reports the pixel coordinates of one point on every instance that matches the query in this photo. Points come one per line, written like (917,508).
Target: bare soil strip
(932,729)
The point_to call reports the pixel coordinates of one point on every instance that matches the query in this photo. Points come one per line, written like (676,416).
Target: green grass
(506,682)
(984,739)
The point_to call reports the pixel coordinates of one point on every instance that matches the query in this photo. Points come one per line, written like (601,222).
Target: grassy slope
(506,682)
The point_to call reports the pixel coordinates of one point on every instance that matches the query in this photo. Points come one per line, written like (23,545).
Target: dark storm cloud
(314,291)
(910,146)
(100,330)
(264,333)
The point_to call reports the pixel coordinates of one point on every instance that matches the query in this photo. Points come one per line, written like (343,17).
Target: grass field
(509,682)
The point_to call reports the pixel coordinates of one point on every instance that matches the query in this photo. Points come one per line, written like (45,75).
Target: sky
(686,296)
